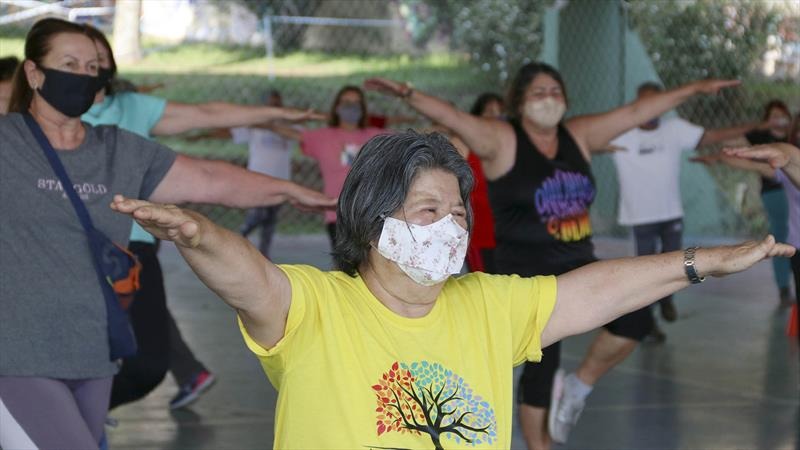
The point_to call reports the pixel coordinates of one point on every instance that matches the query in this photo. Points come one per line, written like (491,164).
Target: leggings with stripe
(48,413)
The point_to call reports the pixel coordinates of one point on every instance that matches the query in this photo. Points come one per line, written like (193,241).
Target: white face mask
(545,113)
(427,254)
(780,122)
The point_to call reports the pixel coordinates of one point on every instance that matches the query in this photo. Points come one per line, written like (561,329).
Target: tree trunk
(436,442)
(127,48)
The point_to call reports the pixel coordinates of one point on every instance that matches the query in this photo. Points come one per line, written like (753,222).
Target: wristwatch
(689,267)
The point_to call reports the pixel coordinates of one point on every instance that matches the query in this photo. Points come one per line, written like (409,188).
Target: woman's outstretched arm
(225,262)
(598,293)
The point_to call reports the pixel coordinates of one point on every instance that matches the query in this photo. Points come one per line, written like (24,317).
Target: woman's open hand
(729,259)
(386,86)
(309,200)
(167,222)
(777,156)
(713,86)
(302,115)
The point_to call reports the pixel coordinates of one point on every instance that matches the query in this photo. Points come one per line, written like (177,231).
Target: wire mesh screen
(756,42)
(236,50)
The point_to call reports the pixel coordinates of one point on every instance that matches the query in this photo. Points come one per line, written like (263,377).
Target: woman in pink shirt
(334,147)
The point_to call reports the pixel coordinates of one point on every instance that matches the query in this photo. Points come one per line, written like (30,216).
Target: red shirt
(483,223)
(377,121)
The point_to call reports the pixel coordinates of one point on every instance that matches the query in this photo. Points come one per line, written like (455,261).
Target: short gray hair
(378,183)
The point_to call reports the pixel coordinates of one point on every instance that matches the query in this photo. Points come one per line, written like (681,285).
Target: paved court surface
(727,377)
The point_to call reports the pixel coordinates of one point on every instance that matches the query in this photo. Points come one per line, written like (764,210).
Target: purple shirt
(793,198)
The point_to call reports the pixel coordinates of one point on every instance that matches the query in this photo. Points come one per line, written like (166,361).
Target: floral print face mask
(428,254)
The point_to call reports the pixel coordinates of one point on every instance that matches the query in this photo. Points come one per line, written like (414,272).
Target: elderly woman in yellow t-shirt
(390,351)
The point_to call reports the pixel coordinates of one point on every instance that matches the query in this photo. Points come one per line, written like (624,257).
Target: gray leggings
(45,413)
(668,233)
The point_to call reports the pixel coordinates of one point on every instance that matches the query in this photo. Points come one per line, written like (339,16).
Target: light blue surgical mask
(349,113)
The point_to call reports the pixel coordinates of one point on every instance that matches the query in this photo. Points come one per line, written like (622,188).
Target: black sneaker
(656,335)
(668,311)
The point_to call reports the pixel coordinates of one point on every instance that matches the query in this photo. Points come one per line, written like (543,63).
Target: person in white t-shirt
(270,154)
(648,168)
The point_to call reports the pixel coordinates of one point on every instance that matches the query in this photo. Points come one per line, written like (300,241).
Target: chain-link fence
(457,49)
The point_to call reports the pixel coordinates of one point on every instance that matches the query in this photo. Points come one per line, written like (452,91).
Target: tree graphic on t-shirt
(427,398)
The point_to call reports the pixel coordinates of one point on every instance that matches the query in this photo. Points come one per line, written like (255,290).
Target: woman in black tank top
(541,189)
(542,208)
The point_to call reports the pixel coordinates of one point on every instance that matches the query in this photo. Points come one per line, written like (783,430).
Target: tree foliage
(498,36)
(697,39)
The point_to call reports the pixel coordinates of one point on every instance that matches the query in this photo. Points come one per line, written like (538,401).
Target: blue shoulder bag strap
(122,343)
(58,168)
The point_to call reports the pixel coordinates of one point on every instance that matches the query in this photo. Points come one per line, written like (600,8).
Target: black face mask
(69,93)
(103,77)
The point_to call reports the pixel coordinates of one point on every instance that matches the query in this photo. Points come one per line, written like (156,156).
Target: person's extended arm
(600,292)
(218,133)
(594,131)
(148,88)
(485,137)
(717,135)
(193,180)
(400,119)
(779,155)
(227,263)
(762,168)
(283,130)
(181,117)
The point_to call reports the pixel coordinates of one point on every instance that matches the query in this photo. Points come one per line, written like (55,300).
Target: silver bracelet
(689,266)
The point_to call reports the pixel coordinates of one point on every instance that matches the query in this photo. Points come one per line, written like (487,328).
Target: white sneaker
(565,409)
(555,398)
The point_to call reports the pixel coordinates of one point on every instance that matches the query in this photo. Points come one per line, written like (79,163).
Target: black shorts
(635,325)
(536,383)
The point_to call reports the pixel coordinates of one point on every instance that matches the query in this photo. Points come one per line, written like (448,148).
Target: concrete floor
(727,377)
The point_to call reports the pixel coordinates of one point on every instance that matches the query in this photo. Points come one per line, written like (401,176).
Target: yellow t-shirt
(347,365)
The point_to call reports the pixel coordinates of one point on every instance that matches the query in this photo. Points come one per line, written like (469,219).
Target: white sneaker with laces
(565,409)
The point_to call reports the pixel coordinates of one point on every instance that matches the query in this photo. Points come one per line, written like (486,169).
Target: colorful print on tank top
(563,202)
